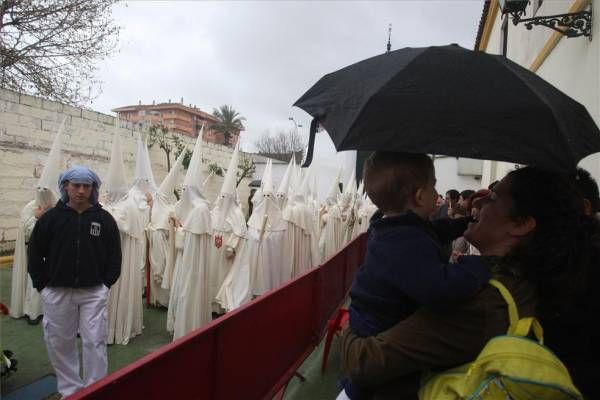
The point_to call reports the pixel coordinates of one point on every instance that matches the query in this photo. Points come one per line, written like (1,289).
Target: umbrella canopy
(452,101)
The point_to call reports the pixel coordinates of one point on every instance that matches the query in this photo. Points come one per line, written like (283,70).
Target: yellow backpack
(510,367)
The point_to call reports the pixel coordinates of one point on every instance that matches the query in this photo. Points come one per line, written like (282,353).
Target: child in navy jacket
(405,267)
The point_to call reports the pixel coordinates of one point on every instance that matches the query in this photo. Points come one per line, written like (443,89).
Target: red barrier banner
(250,353)
(180,370)
(257,345)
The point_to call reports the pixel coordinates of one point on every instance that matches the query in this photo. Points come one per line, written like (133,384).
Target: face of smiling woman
(495,232)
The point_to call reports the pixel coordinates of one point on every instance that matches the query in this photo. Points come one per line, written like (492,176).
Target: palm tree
(230,121)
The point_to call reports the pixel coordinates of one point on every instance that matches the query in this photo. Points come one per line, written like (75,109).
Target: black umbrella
(452,101)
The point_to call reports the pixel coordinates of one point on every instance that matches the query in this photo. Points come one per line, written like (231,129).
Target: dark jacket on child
(405,267)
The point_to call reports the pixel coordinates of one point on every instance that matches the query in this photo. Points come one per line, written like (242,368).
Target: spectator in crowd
(463,199)
(74,258)
(589,190)
(441,209)
(403,267)
(451,198)
(545,252)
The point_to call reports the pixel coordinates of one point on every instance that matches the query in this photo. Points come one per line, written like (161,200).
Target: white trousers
(68,311)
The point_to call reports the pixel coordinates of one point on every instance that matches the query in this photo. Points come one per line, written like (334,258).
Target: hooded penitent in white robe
(160,232)
(24,298)
(268,246)
(236,289)
(229,265)
(132,214)
(332,223)
(302,237)
(20,277)
(349,197)
(282,194)
(189,300)
(363,215)
(125,305)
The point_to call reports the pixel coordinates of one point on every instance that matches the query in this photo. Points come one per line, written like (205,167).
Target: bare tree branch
(50,47)
(282,145)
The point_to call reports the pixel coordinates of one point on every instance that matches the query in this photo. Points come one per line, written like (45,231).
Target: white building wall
(573,66)
(447,177)
(277,172)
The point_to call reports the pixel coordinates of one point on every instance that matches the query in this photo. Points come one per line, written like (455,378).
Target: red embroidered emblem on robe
(218,241)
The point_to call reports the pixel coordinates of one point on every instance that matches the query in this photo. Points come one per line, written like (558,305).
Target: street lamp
(297,125)
(571,24)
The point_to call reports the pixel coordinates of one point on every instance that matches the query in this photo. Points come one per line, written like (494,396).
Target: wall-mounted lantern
(570,25)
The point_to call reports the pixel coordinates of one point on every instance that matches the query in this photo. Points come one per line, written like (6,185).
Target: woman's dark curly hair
(562,255)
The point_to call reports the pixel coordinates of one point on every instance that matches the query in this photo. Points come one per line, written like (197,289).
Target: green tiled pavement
(28,345)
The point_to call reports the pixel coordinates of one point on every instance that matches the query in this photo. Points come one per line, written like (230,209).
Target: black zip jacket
(68,249)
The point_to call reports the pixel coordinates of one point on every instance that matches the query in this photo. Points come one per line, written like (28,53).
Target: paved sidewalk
(28,346)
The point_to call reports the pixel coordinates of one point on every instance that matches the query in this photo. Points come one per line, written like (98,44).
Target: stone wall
(27,128)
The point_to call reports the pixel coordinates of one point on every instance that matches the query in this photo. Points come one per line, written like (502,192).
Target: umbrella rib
(533,89)
(370,97)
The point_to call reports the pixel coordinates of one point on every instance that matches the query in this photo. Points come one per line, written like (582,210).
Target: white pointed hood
(334,192)
(194,176)
(298,211)
(305,188)
(351,185)
(229,183)
(163,205)
(143,178)
(48,191)
(361,189)
(167,186)
(227,214)
(349,190)
(285,181)
(116,184)
(193,183)
(266,214)
(294,179)
(267,179)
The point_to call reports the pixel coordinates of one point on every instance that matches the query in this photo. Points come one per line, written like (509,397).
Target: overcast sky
(260,57)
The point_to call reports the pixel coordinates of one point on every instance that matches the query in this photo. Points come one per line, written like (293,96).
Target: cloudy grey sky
(261,56)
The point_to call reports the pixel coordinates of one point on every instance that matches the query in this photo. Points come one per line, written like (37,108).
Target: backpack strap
(518,327)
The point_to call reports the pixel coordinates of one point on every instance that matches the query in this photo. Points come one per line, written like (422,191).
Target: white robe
(176,280)
(302,238)
(361,224)
(167,279)
(125,305)
(235,290)
(158,240)
(334,233)
(160,255)
(24,298)
(266,258)
(270,252)
(191,301)
(227,233)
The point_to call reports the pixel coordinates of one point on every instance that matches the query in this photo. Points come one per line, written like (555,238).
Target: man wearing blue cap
(74,257)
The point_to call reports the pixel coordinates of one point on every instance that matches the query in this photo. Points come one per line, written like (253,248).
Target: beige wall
(573,66)
(27,127)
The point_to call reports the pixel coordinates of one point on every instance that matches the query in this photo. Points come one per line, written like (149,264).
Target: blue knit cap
(79,174)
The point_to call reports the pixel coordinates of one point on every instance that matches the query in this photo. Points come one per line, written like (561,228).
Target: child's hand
(455,255)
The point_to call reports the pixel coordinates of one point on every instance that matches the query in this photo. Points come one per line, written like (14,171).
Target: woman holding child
(534,236)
